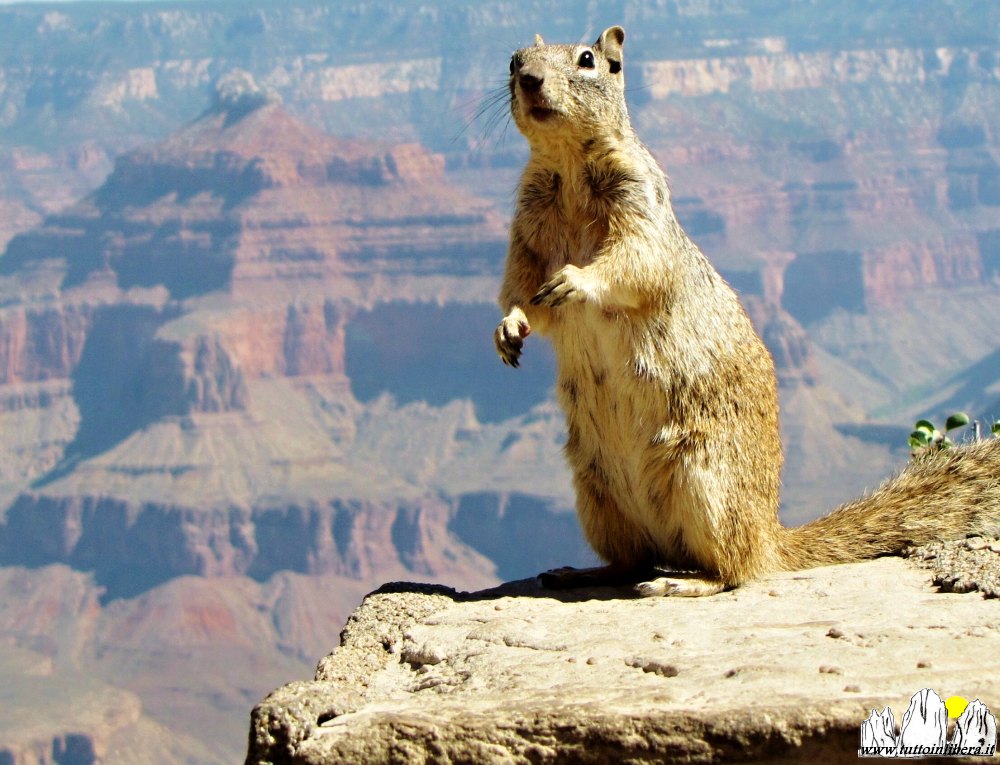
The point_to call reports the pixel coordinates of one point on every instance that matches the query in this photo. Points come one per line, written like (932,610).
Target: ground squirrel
(669,394)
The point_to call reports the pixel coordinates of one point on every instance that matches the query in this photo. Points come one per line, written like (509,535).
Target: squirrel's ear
(538,40)
(610,44)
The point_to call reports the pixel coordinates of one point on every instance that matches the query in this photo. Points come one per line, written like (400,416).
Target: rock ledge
(782,670)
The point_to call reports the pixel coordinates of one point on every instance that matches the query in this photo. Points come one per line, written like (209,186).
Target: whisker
(491,110)
(491,116)
(491,102)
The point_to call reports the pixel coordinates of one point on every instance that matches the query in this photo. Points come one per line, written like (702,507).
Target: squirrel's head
(575,92)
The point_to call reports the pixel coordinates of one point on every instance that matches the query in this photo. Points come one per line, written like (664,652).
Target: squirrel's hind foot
(680,585)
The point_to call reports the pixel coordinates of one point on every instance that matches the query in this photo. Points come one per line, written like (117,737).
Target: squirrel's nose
(530,79)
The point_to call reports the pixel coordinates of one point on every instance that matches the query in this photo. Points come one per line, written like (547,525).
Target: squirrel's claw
(567,285)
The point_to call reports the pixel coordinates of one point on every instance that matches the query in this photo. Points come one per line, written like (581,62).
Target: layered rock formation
(35,183)
(165,677)
(174,364)
(865,153)
(211,276)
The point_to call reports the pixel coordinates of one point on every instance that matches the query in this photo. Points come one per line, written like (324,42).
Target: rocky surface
(783,670)
(964,565)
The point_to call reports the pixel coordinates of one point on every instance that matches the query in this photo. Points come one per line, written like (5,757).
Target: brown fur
(669,393)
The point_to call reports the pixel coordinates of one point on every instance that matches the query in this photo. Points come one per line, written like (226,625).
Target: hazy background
(250,253)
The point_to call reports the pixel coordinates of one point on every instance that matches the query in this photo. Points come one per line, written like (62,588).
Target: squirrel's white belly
(617,417)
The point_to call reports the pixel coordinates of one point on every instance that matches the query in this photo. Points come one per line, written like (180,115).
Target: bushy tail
(939,495)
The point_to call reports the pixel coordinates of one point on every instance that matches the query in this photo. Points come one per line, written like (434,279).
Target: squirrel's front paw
(570,283)
(509,337)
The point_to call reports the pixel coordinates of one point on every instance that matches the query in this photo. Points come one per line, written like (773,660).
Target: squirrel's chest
(561,223)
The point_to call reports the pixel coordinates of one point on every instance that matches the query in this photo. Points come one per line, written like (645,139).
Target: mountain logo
(924,730)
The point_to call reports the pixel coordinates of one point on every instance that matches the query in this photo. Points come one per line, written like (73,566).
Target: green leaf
(995,428)
(946,443)
(925,425)
(920,438)
(957,420)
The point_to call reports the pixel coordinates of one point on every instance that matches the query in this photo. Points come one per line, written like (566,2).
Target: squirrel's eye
(586,60)
(513,64)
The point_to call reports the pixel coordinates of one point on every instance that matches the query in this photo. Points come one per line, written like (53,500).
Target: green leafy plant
(926,436)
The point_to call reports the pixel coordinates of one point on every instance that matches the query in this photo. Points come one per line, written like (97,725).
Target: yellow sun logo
(955,706)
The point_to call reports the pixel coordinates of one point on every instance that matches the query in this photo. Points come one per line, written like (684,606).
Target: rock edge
(781,670)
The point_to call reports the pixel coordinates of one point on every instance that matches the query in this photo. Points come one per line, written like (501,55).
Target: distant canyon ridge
(249,263)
